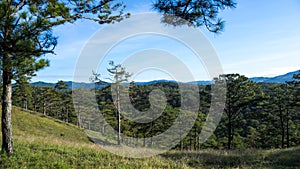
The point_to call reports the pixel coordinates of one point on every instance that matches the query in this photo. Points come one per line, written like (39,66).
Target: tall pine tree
(26,34)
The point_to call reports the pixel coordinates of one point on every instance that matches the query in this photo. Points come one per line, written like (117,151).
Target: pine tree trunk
(78,120)
(195,139)
(7,140)
(191,139)
(229,126)
(119,116)
(44,108)
(25,103)
(151,137)
(181,142)
(287,129)
(282,127)
(78,116)
(67,118)
(103,128)
(144,141)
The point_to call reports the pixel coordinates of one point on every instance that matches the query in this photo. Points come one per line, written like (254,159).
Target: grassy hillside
(42,142)
(31,124)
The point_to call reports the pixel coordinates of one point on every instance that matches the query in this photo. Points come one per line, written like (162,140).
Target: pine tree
(118,75)
(26,35)
(240,94)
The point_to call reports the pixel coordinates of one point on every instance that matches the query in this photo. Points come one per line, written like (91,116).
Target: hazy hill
(71,84)
(276,79)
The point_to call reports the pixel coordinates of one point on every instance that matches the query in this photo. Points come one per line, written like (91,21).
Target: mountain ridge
(276,79)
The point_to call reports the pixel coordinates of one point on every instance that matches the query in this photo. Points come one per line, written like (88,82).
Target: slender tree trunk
(199,144)
(229,127)
(181,142)
(34,105)
(25,103)
(78,120)
(67,115)
(119,117)
(144,141)
(191,139)
(282,127)
(51,110)
(44,108)
(151,137)
(195,142)
(7,139)
(103,128)
(34,101)
(287,129)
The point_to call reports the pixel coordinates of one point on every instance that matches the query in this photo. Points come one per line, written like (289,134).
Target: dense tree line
(256,115)
(50,101)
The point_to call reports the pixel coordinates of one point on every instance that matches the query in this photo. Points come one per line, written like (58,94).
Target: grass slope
(31,124)
(42,142)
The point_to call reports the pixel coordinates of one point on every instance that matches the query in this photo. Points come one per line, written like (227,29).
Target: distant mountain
(71,84)
(92,85)
(277,79)
(43,84)
(200,82)
(154,82)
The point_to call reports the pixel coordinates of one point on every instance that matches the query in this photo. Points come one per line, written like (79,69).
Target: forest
(230,122)
(256,115)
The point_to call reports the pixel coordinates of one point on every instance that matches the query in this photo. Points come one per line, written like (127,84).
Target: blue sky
(261,38)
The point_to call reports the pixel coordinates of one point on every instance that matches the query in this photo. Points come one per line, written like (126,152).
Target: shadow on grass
(210,158)
(288,158)
(101,142)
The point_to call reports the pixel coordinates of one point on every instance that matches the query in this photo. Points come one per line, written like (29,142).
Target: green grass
(39,153)
(31,124)
(43,142)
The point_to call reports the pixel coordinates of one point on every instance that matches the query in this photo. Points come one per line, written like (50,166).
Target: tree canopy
(26,35)
(194,12)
